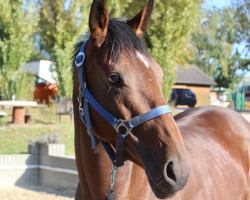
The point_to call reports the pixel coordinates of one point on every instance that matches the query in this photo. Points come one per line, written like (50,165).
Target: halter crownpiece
(122,127)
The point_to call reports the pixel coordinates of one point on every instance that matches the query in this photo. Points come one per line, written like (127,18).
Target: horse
(201,153)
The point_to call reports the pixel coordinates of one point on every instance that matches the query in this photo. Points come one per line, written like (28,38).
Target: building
(42,69)
(191,77)
(46,88)
(245,87)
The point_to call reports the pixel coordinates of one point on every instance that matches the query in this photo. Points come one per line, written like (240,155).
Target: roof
(192,75)
(41,69)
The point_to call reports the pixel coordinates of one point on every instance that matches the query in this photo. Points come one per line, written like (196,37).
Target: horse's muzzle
(166,181)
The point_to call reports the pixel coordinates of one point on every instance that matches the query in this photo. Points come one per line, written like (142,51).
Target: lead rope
(113,171)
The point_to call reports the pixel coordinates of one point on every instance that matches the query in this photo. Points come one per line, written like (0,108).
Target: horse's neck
(93,165)
(94,168)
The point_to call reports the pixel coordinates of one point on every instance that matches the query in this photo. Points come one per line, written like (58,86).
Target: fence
(45,164)
(239,100)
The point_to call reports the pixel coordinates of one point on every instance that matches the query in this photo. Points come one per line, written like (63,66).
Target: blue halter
(85,98)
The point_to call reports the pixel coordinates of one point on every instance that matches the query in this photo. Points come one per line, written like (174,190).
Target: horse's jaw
(164,181)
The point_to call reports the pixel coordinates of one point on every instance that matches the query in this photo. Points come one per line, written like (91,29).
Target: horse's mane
(120,38)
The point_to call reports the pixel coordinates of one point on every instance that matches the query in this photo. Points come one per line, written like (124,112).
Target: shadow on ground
(55,191)
(37,193)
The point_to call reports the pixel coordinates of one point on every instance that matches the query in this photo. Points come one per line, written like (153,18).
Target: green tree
(17,24)
(216,51)
(242,15)
(61,23)
(172,23)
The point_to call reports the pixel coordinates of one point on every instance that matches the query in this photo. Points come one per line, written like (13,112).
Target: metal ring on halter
(124,124)
(79,64)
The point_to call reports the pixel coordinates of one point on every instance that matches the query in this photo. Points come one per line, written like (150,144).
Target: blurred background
(201,45)
(37,38)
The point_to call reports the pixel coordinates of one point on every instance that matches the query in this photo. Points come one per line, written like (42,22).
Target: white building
(42,69)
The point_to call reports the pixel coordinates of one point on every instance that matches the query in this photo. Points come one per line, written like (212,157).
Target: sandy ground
(36,193)
(246,115)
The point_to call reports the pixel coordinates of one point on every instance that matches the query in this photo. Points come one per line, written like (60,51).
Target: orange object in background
(44,91)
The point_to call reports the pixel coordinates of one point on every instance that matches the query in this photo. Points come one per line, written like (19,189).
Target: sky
(216,3)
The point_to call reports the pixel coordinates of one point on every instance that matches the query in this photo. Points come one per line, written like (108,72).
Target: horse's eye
(114,78)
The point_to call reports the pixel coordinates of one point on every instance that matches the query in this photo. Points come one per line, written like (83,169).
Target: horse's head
(127,82)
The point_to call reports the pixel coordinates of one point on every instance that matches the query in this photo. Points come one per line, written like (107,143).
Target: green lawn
(15,138)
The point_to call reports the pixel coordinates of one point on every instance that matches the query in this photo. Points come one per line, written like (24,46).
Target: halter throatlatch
(122,127)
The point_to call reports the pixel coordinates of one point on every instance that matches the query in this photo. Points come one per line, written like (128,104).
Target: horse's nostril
(170,171)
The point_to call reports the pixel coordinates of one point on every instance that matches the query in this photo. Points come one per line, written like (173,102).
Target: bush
(53,138)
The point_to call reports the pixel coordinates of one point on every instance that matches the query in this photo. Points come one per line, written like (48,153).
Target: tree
(242,15)
(216,51)
(172,23)
(232,78)
(17,24)
(61,23)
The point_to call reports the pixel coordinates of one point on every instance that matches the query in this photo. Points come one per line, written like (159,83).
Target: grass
(14,139)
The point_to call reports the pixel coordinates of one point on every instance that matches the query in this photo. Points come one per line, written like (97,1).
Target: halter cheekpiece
(122,127)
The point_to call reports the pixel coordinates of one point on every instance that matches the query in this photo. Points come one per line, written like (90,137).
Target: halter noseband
(85,98)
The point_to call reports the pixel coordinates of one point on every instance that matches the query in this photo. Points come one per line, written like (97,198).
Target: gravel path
(36,193)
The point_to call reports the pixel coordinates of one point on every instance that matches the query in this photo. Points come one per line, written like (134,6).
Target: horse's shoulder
(214,117)
(216,113)
(212,123)
(211,135)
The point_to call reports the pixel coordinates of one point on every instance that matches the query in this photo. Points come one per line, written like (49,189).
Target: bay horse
(201,153)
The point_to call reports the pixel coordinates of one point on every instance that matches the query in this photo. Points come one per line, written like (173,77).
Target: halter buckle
(80,99)
(79,59)
(123,127)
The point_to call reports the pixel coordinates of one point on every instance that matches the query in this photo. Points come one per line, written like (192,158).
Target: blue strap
(88,124)
(120,149)
(110,151)
(149,115)
(82,81)
(118,155)
(99,108)
(81,74)
(130,124)
(79,63)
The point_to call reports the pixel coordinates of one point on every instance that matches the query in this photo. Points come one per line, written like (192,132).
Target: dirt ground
(246,115)
(36,193)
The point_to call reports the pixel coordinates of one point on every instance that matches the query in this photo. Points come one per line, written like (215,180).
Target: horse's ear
(140,22)
(98,21)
